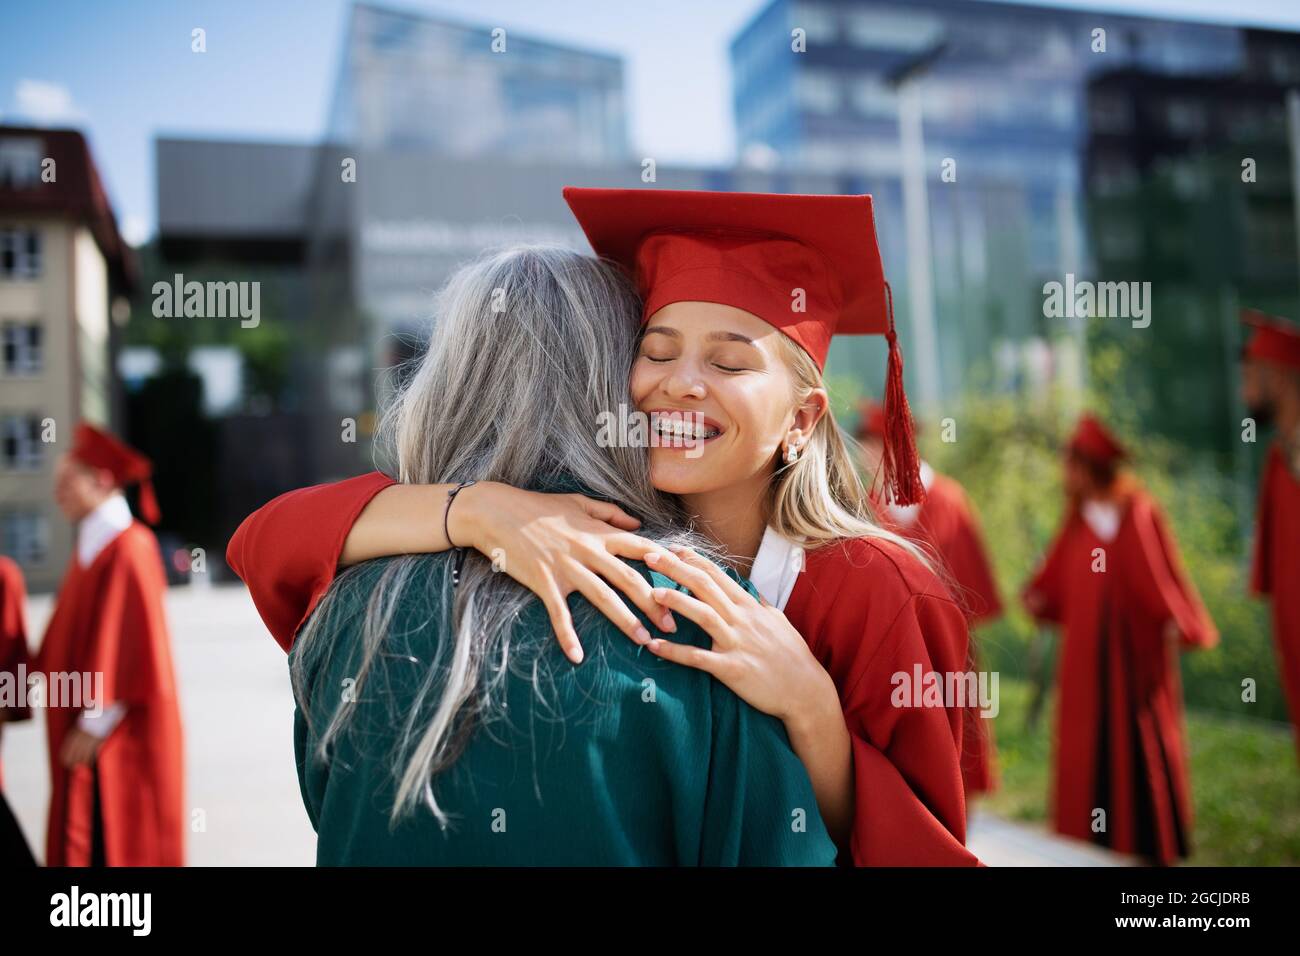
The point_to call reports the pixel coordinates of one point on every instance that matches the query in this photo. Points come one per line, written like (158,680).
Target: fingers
(687,654)
(725,583)
(631,546)
(606,600)
(562,623)
(622,576)
(608,512)
(696,610)
(698,581)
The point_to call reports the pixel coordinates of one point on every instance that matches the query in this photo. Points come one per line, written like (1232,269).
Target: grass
(1245,782)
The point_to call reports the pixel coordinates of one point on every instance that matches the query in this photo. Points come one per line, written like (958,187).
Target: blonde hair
(821,498)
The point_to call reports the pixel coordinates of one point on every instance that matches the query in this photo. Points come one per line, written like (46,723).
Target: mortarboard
(98,449)
(1272,340)
(807,265)
(1093,440)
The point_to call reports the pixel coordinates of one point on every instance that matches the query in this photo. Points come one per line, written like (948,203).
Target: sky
(122,70)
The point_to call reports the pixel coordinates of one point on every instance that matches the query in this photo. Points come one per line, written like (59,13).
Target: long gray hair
(529,347)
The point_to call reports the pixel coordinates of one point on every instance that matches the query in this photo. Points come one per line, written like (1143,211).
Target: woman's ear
(808,414)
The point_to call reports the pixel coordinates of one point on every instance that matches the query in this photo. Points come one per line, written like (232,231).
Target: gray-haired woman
(438,722)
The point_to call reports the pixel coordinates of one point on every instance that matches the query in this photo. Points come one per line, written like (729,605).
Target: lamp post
(905,80)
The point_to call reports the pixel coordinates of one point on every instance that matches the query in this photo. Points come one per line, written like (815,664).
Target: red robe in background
(946,526)
(1276,570)
(13,640)
(1119,741)
(109,618)
(867,609)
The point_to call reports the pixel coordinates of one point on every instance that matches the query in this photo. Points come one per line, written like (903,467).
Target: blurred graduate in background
(13,705)
(115,761)
(1114,584)
(1271,390)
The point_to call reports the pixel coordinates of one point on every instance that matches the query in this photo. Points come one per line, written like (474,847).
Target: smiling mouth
(680,430)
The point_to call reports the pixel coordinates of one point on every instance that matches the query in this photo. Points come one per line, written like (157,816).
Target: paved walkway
(242,788)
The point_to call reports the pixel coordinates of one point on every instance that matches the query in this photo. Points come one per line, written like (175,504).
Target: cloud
(45,104)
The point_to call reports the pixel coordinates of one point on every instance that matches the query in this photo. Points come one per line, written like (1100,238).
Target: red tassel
(901,465)
(148,503)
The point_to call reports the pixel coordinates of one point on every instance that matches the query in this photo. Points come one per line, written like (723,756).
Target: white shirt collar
(776,568)
(98,529)
(905,515)
(1102,517)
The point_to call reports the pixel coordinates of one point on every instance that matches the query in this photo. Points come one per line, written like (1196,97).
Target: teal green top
(624,760)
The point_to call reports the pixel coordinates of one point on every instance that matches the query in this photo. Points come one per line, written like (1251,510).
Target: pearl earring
(791,453)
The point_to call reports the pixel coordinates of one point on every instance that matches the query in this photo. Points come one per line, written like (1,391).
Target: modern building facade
(64,270)
(1040,125)
(412,81)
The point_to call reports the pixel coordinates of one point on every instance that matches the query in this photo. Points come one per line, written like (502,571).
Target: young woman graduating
(742,294)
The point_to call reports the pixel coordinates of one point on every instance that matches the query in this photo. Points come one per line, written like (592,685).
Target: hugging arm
(289,550)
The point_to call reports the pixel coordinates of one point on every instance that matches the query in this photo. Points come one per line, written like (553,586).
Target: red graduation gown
(1276,570)
(868,610)
(13,637)
(109,618)
(1119,741)
(947,527)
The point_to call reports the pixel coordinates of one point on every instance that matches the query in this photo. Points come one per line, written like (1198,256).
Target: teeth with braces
(677,428)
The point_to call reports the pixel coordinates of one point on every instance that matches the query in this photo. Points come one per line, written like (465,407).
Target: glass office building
(1075,142)
(407,80)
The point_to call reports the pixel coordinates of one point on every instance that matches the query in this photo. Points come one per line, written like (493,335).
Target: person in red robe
(13,648)
(115,754)
(945,524)
(1271,389)
(1114,584)
(13,696)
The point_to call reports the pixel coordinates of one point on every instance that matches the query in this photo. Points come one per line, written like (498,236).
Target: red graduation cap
(807,265)
(98,449)
(1272,340)
(1093,440)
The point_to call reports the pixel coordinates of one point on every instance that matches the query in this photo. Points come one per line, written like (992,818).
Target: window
(20,253)
(818,92)
(1186,118)
(905,30)
(20,442)
(21,348)
(1111,113)
(24,535)
(817,21)
(20,163)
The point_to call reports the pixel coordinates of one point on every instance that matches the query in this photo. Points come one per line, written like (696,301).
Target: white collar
(905,515)
(1102,517)
(776,568)
(98,529)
